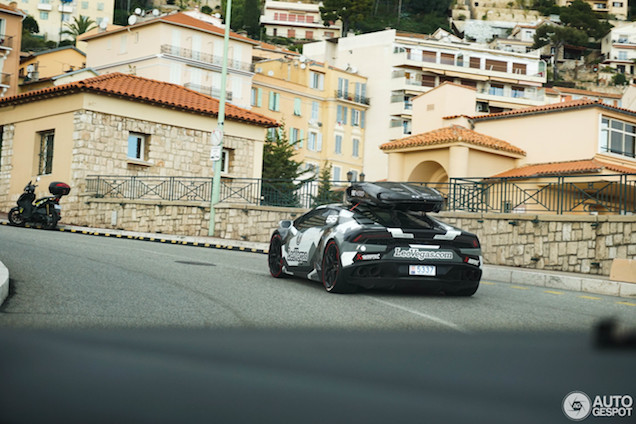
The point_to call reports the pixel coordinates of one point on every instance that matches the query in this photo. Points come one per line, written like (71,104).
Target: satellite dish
(132,20)
(270,73)
(137,11)
(302,59)
(155,12)
(354,70)
(303,66)
(103,24)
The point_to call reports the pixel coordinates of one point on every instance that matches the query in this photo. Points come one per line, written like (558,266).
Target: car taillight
(476,242)
(363,236)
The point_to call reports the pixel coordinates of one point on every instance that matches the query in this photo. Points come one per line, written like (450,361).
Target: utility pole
(217,136)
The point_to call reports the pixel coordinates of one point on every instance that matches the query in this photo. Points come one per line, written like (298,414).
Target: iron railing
(607,194)
(205,57)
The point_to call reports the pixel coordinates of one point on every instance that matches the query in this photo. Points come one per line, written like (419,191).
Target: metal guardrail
(607,194)
(205,57)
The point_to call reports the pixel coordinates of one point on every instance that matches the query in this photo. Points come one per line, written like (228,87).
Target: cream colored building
(53,15)
(617,8)
(400,66)
(10,41)
(50,63)
(176,48)
(561,138)
(296,20)
(619,49)
(323,108)
(119,125)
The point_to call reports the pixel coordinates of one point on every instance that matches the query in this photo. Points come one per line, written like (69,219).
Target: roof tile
(563,168)
(146,90)
(453,134)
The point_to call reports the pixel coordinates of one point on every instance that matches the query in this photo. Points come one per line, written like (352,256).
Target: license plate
(425,270)
(58,207)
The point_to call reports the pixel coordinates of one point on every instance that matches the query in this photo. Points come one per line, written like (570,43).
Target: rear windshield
(393,218)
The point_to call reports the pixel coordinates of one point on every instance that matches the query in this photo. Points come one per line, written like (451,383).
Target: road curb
(4,283)
(559,280)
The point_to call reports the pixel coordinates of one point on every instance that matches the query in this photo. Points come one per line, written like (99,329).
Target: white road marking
(423,315)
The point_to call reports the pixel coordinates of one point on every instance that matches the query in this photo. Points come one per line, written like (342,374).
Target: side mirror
(285,223)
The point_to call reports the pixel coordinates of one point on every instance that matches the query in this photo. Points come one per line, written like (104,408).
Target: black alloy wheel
(15,217)
(332,277)
(275,256)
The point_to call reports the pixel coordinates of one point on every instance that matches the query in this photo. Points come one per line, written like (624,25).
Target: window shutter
(362,113)
(344,115)
(319,143)
(259,99)
(302,138)
(271,100)
(339,113)
(297,106)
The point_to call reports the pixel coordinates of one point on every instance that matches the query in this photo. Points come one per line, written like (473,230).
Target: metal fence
(611,194)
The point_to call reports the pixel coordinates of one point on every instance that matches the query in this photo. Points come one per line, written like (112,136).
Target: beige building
(399,66)
(176,48)
(617,8)
(296,20)
(53,15)
(453,143)
(10,41)
(619,49)
(323,109)
(119,125)
(50,63)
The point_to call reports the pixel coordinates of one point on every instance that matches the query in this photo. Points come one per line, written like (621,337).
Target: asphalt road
(63,280)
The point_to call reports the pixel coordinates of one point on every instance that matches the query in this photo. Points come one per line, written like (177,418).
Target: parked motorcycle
(45,211)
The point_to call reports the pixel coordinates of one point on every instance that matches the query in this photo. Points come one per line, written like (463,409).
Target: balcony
(65,8)
(356,98)
(210,91)
(6,42)
(205,58)
(5,80)
(460,68)
(45,7)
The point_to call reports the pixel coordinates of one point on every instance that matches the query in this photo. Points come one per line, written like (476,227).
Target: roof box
(57,188)
(404,196)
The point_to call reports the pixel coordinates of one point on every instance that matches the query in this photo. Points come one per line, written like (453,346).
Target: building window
(336,173)
(618,137)
(137,146)
(338,147)
(355,117)
(518,92)
(315,111)
(314,141)
(296,137)
(329,34)
(274,101)
(356,148)
(84,5)
(256,97)
(291,33)
(316,80)
(44,16)
(45,159)
(496,89)
(297,106)
(225,161)
(100,6)
(309,35)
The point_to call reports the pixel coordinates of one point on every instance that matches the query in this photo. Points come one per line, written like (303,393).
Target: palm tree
(79,26)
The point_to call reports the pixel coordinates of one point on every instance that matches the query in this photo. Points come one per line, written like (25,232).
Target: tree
(349,12)
(251,18)
(558,37)
(281,173)
(79,26)
(30,25)
(325,194)
(580,15)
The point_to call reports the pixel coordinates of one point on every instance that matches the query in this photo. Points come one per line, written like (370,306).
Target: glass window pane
(617,125)
(617,142)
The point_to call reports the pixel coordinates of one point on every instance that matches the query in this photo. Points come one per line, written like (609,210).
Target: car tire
(275,256)
(332,277)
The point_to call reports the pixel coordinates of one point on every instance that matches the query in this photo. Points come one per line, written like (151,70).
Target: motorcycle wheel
(50,221)
(15,217)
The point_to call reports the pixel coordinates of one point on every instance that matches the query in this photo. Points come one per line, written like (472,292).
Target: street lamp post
(217,136)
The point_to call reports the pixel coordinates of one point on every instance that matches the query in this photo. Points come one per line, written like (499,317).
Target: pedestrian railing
(607,194)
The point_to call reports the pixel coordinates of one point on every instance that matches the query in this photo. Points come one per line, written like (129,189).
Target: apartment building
(10,40)
(322,108)
(50,63)
(52,15)
(176,48)
(619,49)
(400,66)
(297,20)
(616,8)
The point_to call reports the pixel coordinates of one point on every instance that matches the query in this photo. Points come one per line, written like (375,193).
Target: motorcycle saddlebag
(59,189)
(391,195)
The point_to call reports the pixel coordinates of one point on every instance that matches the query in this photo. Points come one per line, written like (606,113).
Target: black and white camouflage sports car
(381,237)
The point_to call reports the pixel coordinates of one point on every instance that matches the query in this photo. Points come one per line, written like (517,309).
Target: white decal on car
(422,255)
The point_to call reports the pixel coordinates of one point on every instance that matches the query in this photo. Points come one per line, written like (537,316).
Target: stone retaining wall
(570,243)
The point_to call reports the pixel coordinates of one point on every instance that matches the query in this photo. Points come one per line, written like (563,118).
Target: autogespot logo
(577,406)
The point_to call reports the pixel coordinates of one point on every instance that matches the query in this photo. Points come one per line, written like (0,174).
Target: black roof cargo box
(404,196)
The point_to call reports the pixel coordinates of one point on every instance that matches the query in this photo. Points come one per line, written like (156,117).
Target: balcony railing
(5,79)
(6,41)
(606,194)
(357,98)
(205,57)
(210,91)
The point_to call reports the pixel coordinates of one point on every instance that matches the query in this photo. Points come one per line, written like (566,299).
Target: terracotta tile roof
(564,168)
(12,10)
(180,19)
(453,134)
(555,107)
(147,91)
(275,48)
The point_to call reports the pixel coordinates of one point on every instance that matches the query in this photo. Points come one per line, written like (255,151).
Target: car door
(302,246)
